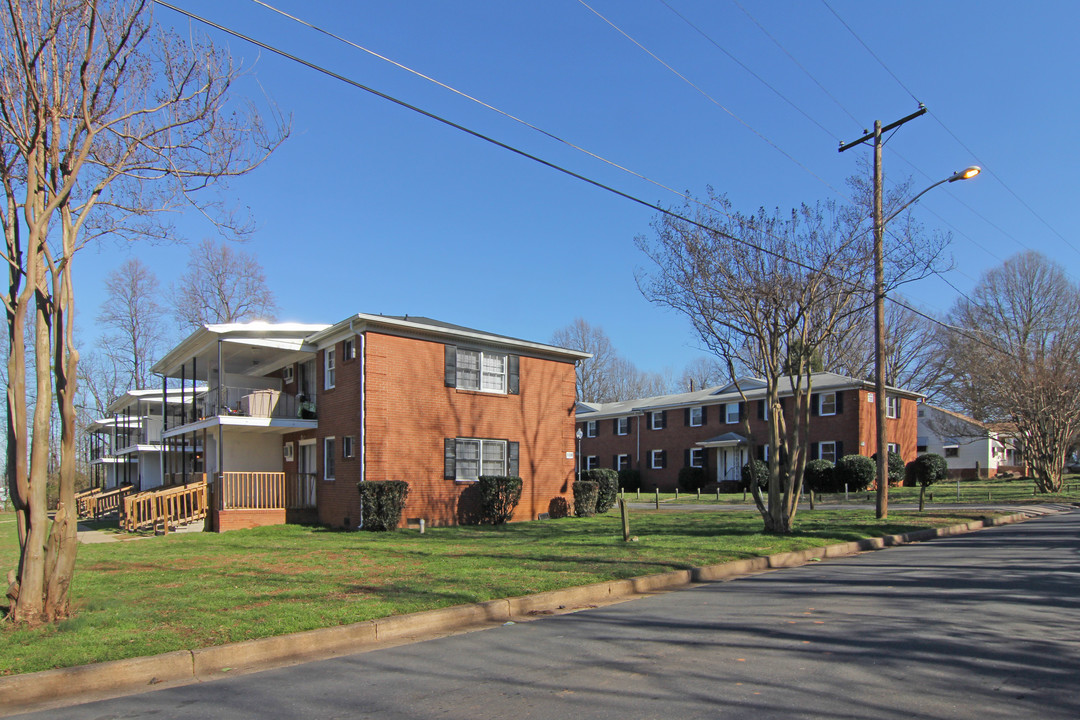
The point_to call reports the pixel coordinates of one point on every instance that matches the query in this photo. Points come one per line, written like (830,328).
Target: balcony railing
(251,402)
(265,491)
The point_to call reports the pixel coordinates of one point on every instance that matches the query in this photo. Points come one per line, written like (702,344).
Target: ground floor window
(469,458)
(697,457)
(592,462)
(827,451)
(953,451)
(622,462)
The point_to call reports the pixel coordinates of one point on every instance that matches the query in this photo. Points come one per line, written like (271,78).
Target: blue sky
(369,207)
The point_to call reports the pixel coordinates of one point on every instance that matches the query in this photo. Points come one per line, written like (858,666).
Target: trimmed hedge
(499,495)
(855,471)
(585,494)
(692,478)
(630,479)
(382,502)
(820,476)
(607,487)
(928,468)
(897,469)
(760,469)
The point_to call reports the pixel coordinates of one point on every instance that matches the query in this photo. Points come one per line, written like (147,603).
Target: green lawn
(153,595)
(974,492)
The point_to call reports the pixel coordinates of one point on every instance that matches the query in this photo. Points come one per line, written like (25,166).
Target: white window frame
(329,466)
(822,404)
(697,457)
(892,406)
(348,446)
(893,447)
(727,413)
(348,349)
(592,462)
(656,459)
(483,373)
(287,452)
(832,451)
(481,445)
(287,376)
(695,422)
(329,369)
(619,462)
(590,428)
(656,421)
(622,426)
(947,449)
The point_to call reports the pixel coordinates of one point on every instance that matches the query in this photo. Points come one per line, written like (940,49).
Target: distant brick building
(660,435)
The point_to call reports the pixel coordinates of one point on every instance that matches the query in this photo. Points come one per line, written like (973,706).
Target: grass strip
(185,591)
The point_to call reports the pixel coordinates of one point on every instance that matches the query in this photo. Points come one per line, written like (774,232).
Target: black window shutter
(839,449)
(513,384)
(663,458)
(760,409)
(761,453)
(815,451)
(663,419)
(704,416)
(512,459)
(814,399)
(898,404)
(783,404)
(839,402)
(742,411)
(615,426)
(615,462)
(686,457)
(686,417)
(450,458)
(451,366)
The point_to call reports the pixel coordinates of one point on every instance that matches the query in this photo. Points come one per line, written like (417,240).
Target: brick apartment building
(283,420)
(660,435)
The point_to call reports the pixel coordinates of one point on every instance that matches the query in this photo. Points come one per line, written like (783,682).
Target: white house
(970,447)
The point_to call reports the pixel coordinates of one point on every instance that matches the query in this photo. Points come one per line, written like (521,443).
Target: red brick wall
(409,412)
(225,520)
(854,427)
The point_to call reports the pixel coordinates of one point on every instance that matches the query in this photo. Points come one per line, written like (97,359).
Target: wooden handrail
(173,505)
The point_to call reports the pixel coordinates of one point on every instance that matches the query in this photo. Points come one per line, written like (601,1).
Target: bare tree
(222,284)
(134,321)
(701,373)
(1015,354)
(593,374)
(105,122)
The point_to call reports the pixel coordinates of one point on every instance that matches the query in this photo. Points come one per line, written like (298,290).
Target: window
(348,349)
(952,451)
(287,374)
(622,462)
(695,419)
(347,450)
(656,420)
(622,426)
(288,452)
(697,457)
(894,448)
(479,457)
(590,429)
(592,462)
(657,459)
(328,458)
(731,413)
(330,376)
(892,406)
(827,403)
(827,451)
(484,371)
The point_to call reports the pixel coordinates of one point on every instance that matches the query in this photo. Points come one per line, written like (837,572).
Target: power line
(546,163)
(711,99)
(872,53)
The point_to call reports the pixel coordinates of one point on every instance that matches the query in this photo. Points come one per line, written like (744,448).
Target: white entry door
(729,464)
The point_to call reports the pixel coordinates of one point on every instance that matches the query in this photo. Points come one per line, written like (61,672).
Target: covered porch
(727,454)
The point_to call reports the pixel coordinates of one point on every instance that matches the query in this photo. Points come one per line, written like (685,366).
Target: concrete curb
(21,693)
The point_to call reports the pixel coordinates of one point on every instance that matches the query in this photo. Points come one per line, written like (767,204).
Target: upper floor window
(478,370)
(731,413)
(892,406)
(590,428)
(347,447)
(695,418)
(287,374)
(330,368)
(622,426)
(656,420)
(827,403)
(348,349)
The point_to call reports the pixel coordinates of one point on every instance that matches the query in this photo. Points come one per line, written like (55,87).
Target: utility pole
(879,309)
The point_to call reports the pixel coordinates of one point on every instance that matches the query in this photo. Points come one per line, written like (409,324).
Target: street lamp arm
(964,174)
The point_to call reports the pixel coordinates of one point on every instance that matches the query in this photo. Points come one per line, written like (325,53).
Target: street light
(578,435)
(879,317)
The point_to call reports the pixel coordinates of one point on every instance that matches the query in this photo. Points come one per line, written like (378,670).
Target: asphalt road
(984,625)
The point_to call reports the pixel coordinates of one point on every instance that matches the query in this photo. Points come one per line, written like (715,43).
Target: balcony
(253,402)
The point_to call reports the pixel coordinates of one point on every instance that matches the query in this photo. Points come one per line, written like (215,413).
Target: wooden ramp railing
(97,503)
(265,491)
(175,506)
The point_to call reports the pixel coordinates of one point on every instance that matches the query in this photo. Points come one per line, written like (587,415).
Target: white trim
(329,368)
(287,452)
(821,404)
(329,458)
(700,414)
